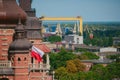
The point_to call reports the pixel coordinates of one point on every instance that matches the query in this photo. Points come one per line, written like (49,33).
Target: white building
(73,38)
(108,49)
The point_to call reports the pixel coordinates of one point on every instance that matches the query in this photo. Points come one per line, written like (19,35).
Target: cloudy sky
(90,10)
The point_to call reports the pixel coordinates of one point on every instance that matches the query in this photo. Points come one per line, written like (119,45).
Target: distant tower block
(74,30)
(58,30)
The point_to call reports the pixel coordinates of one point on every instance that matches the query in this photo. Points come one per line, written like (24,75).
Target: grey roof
(104,61)
(108,53)
(86,46)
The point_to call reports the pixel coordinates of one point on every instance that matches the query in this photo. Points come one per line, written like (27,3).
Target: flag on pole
(37,53)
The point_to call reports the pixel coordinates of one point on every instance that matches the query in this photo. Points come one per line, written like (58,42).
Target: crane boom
(79,19)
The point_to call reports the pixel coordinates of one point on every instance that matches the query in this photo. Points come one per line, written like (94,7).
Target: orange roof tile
(43,47)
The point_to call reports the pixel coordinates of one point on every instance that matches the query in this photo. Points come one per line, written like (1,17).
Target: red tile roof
(43,47)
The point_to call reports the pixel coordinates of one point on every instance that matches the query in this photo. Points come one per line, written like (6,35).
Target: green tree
(80,67)
(60,73)
(74,66)
(100,72)
(59,59)
(114,70)
(82,57)
(114,57)
(53,39)
(81,75)
(90,55)
(90,76)
(71,67)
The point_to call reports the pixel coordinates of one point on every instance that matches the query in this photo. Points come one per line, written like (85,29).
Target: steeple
(20,43)
(20,32)
(58,30)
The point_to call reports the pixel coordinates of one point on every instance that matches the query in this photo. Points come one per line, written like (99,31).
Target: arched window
(31,59)
(25,59)
(19,59)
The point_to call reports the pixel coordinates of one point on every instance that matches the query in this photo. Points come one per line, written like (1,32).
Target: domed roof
(20,45)
(10,12)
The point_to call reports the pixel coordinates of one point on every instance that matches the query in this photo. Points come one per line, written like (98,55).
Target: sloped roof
(43,47)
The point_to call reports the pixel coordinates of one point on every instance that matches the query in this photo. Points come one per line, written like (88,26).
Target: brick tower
(19,53)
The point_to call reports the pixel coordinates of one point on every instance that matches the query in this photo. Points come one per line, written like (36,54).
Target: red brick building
(17,30)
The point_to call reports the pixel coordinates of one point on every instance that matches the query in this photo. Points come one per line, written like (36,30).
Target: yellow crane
(79,19)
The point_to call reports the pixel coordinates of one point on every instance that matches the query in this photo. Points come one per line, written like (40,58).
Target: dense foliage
(59,59)
(103,34)
(53,39)
(98,72)
(68,66)
(90,55)
(114,57)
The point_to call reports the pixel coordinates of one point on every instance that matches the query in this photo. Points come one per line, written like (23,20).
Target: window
(19,59)
(25,59)
(31,60)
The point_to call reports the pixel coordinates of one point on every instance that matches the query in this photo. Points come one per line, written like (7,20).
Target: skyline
(89,10)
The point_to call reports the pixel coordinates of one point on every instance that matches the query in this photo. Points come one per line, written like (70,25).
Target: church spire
(58,30)
(19,30)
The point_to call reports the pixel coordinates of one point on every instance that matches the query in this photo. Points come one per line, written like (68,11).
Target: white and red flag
(37,53)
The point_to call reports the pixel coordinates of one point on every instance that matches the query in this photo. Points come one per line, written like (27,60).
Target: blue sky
(90,10)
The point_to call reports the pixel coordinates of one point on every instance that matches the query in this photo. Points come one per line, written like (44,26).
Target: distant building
(108,49)
(75,39)
(105,51)
(116,43)
(88,48)
(90,63)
